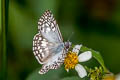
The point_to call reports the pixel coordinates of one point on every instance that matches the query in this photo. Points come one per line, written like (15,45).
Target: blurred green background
(95,23)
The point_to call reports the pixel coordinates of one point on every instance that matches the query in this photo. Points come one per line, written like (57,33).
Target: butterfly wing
(45,53)
(40,48)
(48,44)
(48,27)
(54,63)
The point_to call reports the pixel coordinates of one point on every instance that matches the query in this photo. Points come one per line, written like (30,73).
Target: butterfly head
(67,45)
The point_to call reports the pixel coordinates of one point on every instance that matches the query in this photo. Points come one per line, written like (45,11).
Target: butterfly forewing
(48,27)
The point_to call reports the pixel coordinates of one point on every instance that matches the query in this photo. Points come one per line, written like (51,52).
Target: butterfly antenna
(70,36)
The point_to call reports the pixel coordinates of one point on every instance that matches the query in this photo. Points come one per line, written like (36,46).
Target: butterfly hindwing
(54,63)
(40,48)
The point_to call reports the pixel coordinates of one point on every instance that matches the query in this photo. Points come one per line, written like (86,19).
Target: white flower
(117,77)
(85,56)
(72,59)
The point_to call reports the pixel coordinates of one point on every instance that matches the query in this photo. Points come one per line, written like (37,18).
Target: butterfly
(48,46)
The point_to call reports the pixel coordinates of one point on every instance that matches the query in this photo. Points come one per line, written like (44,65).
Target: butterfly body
(48,46)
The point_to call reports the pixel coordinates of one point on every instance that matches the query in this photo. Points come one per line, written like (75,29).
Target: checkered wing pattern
(48,46)
(48,27)
(40,48)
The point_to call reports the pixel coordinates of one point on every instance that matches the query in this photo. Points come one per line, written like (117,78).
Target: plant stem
(3,41)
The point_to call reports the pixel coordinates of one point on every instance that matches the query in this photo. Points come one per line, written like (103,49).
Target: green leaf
(73,78)
(96,55)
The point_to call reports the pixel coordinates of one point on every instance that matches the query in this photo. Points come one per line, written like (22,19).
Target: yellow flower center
(71,60)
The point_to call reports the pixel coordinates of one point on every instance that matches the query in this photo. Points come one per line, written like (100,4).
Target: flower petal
(118,77)
(81,70)
(76,48)
(85,56)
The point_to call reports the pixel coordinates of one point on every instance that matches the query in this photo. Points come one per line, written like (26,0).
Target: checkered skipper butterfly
(48,46)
